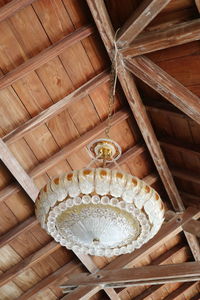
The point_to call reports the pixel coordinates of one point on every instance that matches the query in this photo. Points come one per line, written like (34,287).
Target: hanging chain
(113,82)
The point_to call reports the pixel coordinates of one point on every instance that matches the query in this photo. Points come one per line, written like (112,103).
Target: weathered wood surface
(79,143)
(46,55)
(153,41)
(178,292)
(140,18)
(56,108)
(197,2)
(189,271)
(165,85)
(17,171)
(105,29)
(193,226)
(12,7)
(168,230)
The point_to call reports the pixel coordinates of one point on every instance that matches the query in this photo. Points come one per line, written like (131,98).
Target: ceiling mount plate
(104,149)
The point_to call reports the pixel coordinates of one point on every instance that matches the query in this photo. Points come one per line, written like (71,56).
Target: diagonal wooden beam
(151,274)
(17,171)
(193,226)
(140,18)
(168,230)
(12,7)
(103,23)
(74,146)
(178,34)
(106,31)
(165,85)
(56,108)
(43,57)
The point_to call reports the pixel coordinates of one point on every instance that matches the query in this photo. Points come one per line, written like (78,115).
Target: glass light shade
(100,211)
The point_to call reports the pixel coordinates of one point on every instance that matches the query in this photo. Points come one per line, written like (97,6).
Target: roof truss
(183,99)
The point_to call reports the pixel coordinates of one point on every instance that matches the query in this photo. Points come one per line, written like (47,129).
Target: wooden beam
(74,146)
(174,144)
(103,23)
(193,226)
(165,85)
(178,34)
(17,171)
(189,271)
(190,199)
(12,7)
(140,18)
(186,175)
(167,231)
(54,278)
(46,55)
(194,245)
(56,108)
(28,262)
(17,230)
(162,259)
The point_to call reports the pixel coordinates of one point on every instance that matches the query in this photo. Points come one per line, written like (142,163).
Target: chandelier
(99,211)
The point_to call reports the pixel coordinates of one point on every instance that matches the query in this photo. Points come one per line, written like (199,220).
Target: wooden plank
(28,262)
(165,85)
(168,230)
(186,175)
(190,199)
(53,278)
(197,2)
(17,171)
(156,274)
(56,108)
(102,20)
(18,230)
(162,39)
(175,295)
(46,55)
(67,150)
(12,7)
(160,260)
(194,245)
(140,18)
(171,143)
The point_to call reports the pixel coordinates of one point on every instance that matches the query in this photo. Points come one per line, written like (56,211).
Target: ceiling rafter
(45,56)
(140,18)
(74,146)
(178,292)
(178,34)
(162,259)
(56,108)
(165,85)
(17,171)
(168,230)
(150,274)
(185,98)
(13,7)
(104,26)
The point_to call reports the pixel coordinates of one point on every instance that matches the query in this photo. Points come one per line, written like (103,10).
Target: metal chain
(113,81)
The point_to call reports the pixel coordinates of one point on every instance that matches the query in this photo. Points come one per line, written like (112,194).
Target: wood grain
(140,18)
(165,85)
(56,108)
(46,55)
(193,227)
(12,7)
(162,39)
(168,230)
(17,171)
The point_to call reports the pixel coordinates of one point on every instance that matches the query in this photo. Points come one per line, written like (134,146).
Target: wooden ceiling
(54,92)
